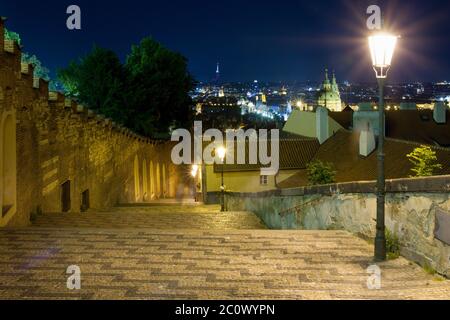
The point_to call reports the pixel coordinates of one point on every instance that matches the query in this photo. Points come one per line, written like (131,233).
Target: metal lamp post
(194,172)
(221,151)
(382,48)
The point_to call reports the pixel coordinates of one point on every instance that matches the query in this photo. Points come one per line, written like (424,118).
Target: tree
(39,70)
(11,35)
(149,94)
(97,80)
(424,161)
(320,173)
(159,85)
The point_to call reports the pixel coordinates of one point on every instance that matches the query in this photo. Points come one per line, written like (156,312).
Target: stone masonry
(411,207)
(196,252)
(64,150)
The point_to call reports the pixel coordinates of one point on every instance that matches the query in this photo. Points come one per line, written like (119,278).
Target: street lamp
(221,151)
(194,171)
(382,48)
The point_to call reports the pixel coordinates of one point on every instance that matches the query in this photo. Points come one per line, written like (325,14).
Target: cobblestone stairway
(195,252)
(154,217)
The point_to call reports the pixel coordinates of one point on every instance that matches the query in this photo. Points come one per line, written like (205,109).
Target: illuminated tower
(217,73)
(329,96)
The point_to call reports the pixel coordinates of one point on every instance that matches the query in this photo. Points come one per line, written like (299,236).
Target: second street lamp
(221,151)
(382,48)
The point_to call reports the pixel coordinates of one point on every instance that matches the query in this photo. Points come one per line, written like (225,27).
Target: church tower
(329,96)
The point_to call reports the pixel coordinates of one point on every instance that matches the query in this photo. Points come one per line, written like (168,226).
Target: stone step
(153,217)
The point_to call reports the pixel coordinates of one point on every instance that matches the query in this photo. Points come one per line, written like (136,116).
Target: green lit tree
(320,173)
(98,81)
(11,35)
(39,70)
(149,94)
(424,161)
(159,84)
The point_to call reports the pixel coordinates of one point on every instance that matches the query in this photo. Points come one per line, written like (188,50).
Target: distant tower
(329,96)
(217,73)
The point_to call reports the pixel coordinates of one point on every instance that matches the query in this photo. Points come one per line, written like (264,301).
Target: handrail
(286,211)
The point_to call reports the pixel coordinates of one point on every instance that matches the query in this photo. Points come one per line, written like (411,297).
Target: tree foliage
(424,161)
(159,86)
(320,173)
(39,70)
(97,80)
(11,35)
(149,93)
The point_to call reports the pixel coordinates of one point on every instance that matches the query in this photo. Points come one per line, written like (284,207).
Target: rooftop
(342,150)
(295,153)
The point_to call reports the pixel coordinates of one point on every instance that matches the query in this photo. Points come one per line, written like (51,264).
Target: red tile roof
(342,150)
(294,154)
(418,126)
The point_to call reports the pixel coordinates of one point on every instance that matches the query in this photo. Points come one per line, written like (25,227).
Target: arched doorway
(152,181)
(8,164)
(137,191)
(158,180)
(164,182)
(144,181)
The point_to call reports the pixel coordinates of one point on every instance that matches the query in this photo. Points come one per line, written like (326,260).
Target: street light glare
(194,170)
(382,47)
(221,152)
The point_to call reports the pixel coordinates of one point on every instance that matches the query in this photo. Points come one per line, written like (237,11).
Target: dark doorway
(85,200)
(65,196)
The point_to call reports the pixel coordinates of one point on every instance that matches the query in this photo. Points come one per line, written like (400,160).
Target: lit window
(263,180)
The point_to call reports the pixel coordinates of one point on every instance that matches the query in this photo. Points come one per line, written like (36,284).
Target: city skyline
(287,41)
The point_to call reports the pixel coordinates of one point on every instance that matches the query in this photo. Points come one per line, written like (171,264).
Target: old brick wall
(58,140)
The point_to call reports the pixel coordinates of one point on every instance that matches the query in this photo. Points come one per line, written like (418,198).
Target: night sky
(265,40)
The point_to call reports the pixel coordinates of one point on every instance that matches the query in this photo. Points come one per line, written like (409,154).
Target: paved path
(155,217)
(197,263)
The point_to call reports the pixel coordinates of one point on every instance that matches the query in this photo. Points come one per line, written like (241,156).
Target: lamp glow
(221,153)
(382,47)
(194,170)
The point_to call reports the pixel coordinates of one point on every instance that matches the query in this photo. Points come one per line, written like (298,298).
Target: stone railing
(417,211)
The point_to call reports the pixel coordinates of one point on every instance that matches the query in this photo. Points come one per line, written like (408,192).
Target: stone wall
(56,141)
(411,207)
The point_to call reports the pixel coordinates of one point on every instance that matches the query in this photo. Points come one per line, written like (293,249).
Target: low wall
(411,213)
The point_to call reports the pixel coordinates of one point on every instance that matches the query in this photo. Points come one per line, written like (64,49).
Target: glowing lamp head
(382,47)
(221,153)
(194,170)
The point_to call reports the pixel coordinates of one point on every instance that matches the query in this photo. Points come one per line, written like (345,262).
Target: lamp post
(382,48)
(194,172)
(221,151)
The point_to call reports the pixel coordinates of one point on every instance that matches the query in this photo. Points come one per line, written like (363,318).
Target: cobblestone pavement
(149,262)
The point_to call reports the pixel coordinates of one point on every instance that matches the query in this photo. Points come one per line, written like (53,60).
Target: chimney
(322,131)
(440,112)
(366,142)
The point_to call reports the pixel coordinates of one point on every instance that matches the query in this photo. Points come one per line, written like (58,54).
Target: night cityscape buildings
(278,99)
